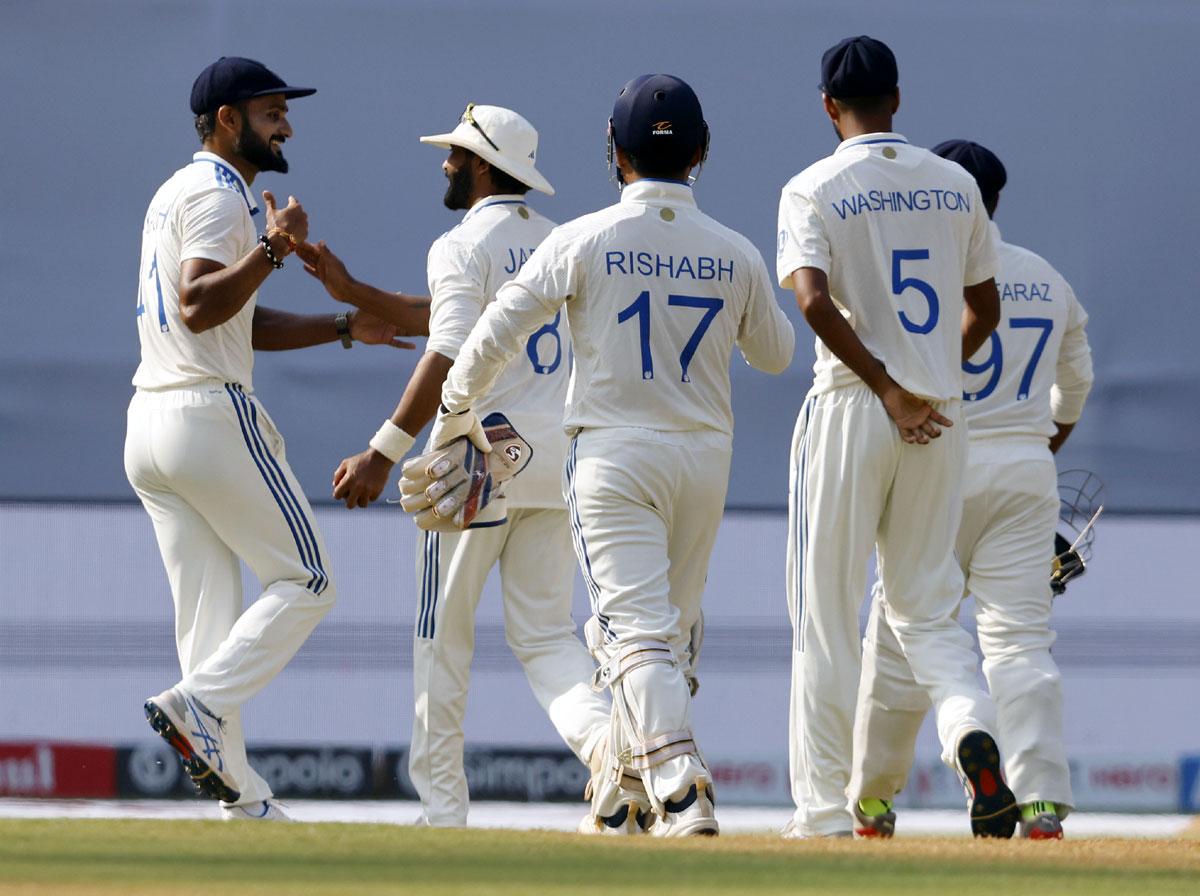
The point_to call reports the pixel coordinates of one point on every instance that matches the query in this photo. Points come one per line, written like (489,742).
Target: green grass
(131,858)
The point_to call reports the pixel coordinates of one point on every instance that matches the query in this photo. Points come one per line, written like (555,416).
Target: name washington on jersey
(902,201)
(677,267)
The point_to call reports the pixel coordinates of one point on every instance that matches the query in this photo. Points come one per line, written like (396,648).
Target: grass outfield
(180,858)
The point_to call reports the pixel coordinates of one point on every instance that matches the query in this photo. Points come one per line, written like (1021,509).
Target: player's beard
(257,151)
(458,191)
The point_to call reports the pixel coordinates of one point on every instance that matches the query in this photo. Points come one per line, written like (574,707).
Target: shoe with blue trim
(691,815)
(196,735)
(263,810)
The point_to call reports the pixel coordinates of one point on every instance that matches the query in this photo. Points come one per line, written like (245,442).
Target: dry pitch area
(130,857)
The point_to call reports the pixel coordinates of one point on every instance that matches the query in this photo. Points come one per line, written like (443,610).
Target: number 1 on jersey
(641,308)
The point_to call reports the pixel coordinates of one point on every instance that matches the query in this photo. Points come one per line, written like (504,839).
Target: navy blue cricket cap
(658,118)
(981,163)
(232,79)
(858,66)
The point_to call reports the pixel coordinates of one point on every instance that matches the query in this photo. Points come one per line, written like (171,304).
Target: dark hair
(506,183)
(868,105)
(206,124)
(666,165)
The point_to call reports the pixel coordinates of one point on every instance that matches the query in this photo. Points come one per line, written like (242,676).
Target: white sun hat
(499,136)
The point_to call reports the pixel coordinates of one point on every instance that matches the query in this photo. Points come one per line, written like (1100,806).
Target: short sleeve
(212,226)
(456,288)
(982,260)
(802,240)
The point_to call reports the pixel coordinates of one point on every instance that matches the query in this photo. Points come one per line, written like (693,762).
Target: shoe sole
(994,811)
(206,779)
(1044,835)
(881,831)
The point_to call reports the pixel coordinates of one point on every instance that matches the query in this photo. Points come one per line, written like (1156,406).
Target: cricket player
(490,168)
(888,251)
(1025,389)
(657,294)
(201,452)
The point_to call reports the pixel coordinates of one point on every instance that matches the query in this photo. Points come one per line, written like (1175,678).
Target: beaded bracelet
(266,244)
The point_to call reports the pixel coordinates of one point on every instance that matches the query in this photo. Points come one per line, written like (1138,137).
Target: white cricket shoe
(691,815)
(629,820)
(620,806)
(263,810)
(791,831)
(196,735)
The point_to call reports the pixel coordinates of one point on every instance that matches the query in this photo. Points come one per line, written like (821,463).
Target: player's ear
(230,117)
(831,107)
(896,101)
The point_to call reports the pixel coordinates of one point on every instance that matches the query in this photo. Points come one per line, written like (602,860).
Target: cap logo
(662,127)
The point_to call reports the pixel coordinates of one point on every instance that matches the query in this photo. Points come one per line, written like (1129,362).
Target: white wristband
(391,441)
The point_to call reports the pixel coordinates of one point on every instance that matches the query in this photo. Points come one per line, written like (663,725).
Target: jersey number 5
(901,283)
(641,310)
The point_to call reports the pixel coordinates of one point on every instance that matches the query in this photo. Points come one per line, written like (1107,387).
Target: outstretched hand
(360,479)
(916,419)
(370,330)
(321,262)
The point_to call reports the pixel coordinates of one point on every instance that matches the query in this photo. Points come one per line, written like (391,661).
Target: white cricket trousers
(537,575)
(857,487)
(209,467)
(1005,543)
(645,507)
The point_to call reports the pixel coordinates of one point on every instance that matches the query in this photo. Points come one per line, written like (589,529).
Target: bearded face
(458,190)
(264,153)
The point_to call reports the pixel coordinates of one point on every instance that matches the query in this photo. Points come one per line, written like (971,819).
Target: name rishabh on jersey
(899,232)
(1036,368)
(466,267)
(657,293)
(203,211)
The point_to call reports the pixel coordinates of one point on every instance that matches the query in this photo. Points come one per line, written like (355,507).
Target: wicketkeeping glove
(448,427)
(449,487)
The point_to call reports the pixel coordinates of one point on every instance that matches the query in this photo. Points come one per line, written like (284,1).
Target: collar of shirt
(653,191)
(230,176)
(498,199)
(865,139)
(995,228)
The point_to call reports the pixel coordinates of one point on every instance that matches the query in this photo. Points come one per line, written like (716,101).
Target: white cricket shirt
(899,232)
(1036,369)
(657,294)
(466,267)
(203,211)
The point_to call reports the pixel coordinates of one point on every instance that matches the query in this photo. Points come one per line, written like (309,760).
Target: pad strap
(658,750)
(630,656)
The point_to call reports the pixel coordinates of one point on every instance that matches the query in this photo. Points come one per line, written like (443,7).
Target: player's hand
(916,419)
(361,479)
(448,427)
(292,218)
(370,330)
(322,263)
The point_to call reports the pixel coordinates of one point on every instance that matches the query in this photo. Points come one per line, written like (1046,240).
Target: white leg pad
(631,747)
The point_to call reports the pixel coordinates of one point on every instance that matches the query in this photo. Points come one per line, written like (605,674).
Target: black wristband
(266,244)
(343,329)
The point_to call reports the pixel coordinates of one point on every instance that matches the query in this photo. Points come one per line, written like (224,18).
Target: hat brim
(473,140)
(289,93)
